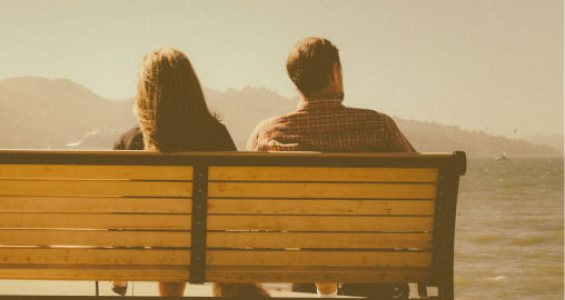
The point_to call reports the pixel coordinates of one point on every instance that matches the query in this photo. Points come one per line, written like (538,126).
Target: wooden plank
(95,188)
(321,207)
(96,205)
(217,274)
(298,258)
(95,221)
(95,172)
(240,240)
(103,238)
(320,223)
(130,273)
(321,190)
(312,274)
(396,160)
(84,256)
(322,174)
(139,154)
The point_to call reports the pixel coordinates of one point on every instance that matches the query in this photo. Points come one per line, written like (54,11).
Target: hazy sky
(491,65)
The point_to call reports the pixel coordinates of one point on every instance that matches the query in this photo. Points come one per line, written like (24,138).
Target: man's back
(328,126)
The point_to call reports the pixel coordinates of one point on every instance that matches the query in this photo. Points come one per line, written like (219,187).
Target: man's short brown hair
(310,64)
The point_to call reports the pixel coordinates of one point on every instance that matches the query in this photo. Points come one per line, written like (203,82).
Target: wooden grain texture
(129,273)
(322,174)
(84,256)
(240,240)
(94,188)
(34,171)
(95,221)
(317,274)
(95,205)
(373,214)
(322,207)
(321,190)
(298,258)
(101,238)
(320,223)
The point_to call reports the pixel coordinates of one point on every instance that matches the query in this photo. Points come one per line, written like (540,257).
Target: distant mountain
(433,137)
(38,113)
(242,110)
(552,140)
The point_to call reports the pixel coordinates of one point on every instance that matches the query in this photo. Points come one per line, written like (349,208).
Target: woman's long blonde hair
(170,102)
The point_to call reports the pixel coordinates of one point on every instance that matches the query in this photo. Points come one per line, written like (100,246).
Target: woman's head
(170,101)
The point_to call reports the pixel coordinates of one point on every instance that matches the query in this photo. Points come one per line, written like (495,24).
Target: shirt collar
(319,104)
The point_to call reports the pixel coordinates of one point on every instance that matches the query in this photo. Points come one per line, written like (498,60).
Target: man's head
(313,65)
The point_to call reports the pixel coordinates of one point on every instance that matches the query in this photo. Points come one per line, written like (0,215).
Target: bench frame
(450,167)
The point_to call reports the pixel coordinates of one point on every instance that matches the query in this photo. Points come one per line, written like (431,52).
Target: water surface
(509,232)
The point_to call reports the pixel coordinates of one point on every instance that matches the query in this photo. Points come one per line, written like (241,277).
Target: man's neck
(319,95)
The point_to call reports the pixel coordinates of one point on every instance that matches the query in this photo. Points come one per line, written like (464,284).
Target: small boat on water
(502,157)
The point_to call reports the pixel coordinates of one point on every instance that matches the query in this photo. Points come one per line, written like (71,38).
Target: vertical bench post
(199,221)
(444,231)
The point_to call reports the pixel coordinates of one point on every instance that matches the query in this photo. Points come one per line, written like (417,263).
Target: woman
(173,117)
(171,110)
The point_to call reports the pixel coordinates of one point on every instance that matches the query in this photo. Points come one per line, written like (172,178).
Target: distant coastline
(39,113)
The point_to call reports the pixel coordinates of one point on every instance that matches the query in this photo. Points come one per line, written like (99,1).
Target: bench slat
(95,221)
(313,274)
(321,190)
(322,174)
(319,240)
(222,274)
(320,223)
(18,171)
(95,188)
(103,238)
(78,256)
(55,272)
(321,207)
(289,258)
(99,205)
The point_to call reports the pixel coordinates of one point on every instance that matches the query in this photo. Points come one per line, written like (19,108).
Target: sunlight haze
(495,66)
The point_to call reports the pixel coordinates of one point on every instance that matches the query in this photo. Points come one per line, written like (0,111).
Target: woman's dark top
(130,140)
(210,136)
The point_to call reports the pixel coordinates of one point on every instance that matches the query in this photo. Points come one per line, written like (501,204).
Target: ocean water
(509,232)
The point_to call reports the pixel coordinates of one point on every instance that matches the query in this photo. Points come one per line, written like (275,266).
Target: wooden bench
(229,217)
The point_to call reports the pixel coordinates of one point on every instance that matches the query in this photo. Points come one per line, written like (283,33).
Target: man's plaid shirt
(328,126)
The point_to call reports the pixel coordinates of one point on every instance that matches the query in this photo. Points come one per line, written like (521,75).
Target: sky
(487,65)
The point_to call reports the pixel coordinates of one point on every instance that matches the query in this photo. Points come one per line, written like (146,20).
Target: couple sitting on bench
(173,117)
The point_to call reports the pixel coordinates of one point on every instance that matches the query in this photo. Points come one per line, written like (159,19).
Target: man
(322,123)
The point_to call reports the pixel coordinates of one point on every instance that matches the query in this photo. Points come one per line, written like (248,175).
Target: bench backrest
(227,217)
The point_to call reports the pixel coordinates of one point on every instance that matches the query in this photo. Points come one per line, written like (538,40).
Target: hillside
(242,110)
(433,137)
(552,140)
(38,113)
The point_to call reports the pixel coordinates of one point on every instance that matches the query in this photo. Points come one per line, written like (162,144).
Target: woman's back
(213,136)
(210,136)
